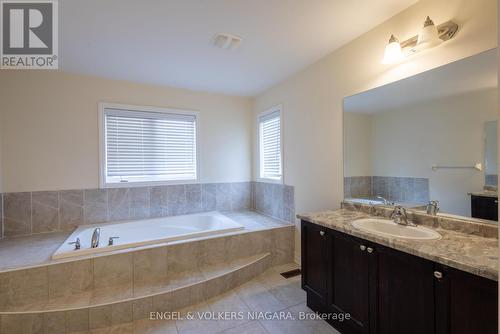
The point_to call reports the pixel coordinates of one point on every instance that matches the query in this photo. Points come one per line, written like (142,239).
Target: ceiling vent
(226,41)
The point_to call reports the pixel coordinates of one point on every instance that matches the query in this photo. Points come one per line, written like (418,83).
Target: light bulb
(428,36)
(393,52)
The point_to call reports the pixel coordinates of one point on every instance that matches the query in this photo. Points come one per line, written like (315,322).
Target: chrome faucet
(76,243)
(433,208)
(95,238)
(400,217)
(386,202)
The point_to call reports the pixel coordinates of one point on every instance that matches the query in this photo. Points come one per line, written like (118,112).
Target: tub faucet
(386,202)
(400,217)
(95,238)
(432,208)
(76,243)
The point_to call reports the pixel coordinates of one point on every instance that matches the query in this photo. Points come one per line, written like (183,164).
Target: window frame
(276,109)
(103,184)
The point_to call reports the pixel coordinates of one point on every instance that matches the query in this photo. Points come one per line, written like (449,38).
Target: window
(270,144)
(146,145)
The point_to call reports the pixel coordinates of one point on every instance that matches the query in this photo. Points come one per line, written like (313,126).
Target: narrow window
(147,145)
(270,145)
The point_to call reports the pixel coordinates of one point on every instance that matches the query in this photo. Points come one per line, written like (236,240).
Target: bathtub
(146,232)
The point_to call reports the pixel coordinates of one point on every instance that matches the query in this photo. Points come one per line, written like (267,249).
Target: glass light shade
(393,53)
(428,36)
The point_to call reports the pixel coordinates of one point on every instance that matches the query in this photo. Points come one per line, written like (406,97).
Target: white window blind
(142,146)
(270,145)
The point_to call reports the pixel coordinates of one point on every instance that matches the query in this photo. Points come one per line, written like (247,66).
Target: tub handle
(111,240)
(76,243)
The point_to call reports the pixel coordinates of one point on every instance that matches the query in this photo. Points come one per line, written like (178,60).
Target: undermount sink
(389,228)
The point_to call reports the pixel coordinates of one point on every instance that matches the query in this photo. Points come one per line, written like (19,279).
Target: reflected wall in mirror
(429,137)
(490,155)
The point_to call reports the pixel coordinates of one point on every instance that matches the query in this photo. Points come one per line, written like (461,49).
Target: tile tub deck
(36,250)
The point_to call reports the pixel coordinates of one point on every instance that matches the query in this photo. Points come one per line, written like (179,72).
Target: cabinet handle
(369,250)
(322,233)
(362,247)
(496,201)
(438,274)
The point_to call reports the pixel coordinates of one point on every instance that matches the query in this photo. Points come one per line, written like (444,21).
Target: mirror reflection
(490,155)
(428,142)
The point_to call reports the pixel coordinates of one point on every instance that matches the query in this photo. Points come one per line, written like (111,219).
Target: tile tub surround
(37,249)
(51,211)
(275,200)
(472,248)
(268,291)
(358,187)
(95,292)
(397,189)
(491,180)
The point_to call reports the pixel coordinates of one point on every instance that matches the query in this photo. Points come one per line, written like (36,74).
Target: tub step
(210,277)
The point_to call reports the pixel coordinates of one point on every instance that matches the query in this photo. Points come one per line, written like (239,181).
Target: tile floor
(268,292)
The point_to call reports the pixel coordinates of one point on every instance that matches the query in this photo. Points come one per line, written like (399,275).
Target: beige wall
(312,99)
(49,128)
(358,157)
(409,140)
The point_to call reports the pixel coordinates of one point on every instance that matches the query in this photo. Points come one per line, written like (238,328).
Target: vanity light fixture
(393,52)
(429,37)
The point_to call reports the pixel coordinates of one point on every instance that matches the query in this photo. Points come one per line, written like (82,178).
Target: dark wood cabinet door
(405,298)
(484,207)
(314,261)
(349,282)
(465,303)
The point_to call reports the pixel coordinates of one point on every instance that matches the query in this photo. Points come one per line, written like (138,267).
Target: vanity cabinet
(465,303)
(484,207)
(386,291)
(314,261)
(349,281)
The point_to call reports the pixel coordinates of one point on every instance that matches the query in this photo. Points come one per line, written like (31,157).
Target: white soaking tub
(146,232)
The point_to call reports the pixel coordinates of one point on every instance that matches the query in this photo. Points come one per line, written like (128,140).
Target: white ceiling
(470,74)
(168,42)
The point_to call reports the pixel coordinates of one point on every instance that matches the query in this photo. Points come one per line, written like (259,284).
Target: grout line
(31,212)
(58,211)
(3,217)
(83,207)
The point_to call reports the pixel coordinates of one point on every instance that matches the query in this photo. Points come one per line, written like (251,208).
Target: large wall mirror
(430,137)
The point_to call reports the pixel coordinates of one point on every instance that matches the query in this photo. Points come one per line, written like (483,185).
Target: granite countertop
(485,193)
(471,253)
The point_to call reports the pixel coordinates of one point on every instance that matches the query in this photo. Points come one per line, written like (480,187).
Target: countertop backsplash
(463,225)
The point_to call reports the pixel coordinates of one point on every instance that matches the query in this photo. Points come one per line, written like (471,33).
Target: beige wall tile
(77,321)
(121,313)
(283,242)
(183,257)
(142,308)
(150,267)
(22,324)
(17,213)
(100,317)
(70,278)
(213,251)
(28,286)
(112,271)
(45,211)
(54,323)
(70,209)
(95,208)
